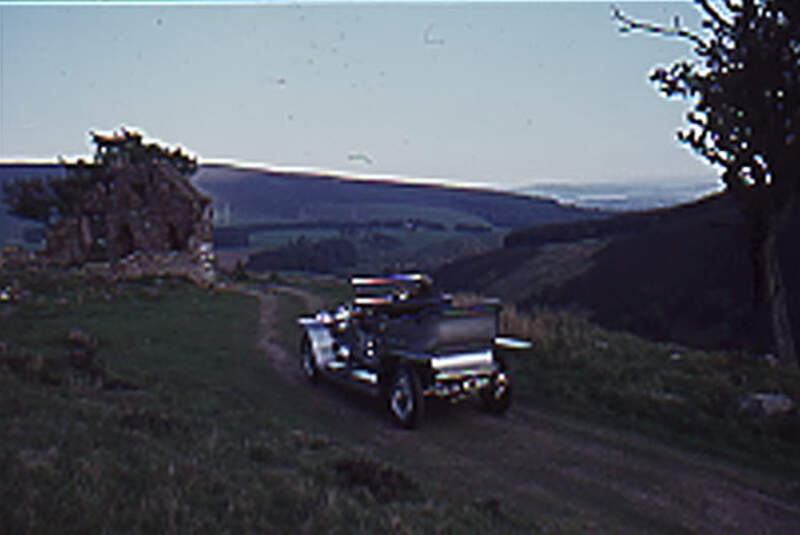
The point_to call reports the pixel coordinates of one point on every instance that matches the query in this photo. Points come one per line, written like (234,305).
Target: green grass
(204,437)
(389,211)
(426,248)
(315,211)
(274,239)
(684,395)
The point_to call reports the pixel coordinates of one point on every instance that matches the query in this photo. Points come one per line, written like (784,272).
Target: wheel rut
(534,462)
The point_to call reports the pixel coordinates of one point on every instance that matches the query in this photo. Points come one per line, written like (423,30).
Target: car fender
(322,342)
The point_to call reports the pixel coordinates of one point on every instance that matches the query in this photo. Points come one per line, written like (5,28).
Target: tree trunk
(770,294)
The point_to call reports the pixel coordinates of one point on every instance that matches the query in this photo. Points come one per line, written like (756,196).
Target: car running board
(365,375)
(361,374)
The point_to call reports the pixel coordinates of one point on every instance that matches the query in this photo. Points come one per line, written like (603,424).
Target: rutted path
(535,463)
(268,302)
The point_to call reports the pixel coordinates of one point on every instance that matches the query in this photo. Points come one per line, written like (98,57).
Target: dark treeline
(239,235)
(409,224)
(681,274)
(307,255)
(624,223)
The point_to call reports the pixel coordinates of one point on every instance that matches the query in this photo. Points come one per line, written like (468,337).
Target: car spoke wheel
(405,397)
(497,396)
(308,363)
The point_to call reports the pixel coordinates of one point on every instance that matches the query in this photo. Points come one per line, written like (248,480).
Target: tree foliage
(48,199)
(745,86)
(45,199)
(324,256)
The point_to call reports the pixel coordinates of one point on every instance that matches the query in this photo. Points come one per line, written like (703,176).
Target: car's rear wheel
(406,401)
(497,396)
(308,363)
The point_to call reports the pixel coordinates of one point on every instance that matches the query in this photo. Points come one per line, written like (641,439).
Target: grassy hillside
(185,430)
(683,395)
(680,274)
(393,225)
(264,195)
(179,423)
(256,193)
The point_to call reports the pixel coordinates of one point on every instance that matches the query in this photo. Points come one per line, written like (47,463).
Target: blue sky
(503,94)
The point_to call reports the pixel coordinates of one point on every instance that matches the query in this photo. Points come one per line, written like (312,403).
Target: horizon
(471,94)
(611,196)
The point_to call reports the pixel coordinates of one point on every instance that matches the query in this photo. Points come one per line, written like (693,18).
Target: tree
(745,88)
(48,199)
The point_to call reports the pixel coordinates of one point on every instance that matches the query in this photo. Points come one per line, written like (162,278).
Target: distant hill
(628,195)
(427,225)
(294,195)
(680,274)
(261,209)
(14,229)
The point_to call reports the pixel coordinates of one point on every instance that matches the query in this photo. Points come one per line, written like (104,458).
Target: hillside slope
(182,410)
(14,228)
(266,209)
(680,274)
(295,195)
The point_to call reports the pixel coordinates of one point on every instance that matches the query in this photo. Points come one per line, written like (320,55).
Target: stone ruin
(139,205)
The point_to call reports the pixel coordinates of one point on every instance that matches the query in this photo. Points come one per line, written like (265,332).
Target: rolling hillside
(255,194)
(13,229)
(391,225)
(679,274)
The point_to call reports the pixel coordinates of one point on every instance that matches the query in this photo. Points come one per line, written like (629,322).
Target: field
(191,431)
(200,422)
(381,249)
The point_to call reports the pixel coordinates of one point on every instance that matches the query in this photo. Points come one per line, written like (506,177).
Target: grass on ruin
(202,437)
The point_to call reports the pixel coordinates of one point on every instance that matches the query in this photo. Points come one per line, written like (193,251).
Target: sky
(504,94)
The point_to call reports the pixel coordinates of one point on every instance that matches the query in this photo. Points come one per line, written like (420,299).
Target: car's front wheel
(308,364)
(406,401)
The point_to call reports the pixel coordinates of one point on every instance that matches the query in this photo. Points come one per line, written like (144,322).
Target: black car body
(399,339)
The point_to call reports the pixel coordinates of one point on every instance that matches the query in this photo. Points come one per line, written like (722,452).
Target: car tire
(405,398)
(308,364)
(497,396)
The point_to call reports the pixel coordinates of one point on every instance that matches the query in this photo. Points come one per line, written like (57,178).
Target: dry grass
(545,328)
(665,389)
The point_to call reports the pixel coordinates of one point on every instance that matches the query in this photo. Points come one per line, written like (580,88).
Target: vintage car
(400,340)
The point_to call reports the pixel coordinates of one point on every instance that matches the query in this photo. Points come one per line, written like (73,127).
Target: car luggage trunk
(444,330)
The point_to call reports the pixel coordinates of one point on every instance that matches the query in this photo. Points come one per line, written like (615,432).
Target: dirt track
(535,463)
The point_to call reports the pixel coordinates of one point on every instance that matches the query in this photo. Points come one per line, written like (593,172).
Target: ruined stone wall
(145,208)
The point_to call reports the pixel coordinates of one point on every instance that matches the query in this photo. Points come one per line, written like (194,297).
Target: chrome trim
(462,360)
(462,373)
(377,300)
(321,341)
(389,279)
(459,388)
(508,342)
(321,318)
(366,376)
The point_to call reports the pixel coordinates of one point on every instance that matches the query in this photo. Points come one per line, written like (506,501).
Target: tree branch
(714,14)
(628,25)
